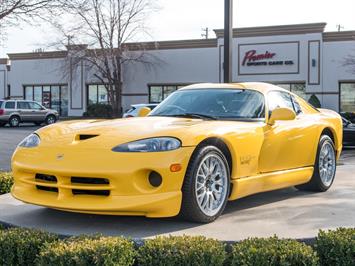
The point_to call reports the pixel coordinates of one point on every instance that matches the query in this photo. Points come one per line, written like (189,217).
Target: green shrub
(88,251)
(6,182)
(185,250)
(21,246)
(336,247)
(99,110)
(271,251)
(314,101)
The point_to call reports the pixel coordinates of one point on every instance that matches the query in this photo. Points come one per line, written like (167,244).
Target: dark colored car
(348,133)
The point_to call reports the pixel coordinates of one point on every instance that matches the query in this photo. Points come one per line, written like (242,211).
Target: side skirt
(270,181)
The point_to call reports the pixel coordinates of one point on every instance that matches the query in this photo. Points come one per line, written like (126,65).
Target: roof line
(275,30)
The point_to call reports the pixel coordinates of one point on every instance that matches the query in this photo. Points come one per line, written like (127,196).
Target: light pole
(228,40)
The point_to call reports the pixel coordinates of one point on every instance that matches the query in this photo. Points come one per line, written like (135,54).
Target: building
(301,58)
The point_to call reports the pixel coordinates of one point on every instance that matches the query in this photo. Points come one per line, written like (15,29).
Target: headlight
(30,141)
(149,145)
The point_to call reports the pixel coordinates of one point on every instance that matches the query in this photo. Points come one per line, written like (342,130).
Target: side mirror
(281,114)
(144,111)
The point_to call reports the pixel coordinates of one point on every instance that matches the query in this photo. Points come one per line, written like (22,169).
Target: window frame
(97,93)
(162,87)
(15,105)
(340,92)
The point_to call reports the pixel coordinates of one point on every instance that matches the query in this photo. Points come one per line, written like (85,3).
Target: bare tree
(14,12)
(349,61)
(107,26)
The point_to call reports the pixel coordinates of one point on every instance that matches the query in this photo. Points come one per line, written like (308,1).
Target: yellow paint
(265,156)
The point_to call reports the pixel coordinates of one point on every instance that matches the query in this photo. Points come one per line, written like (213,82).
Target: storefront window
(97,94)
(158,93)
(297,88)
(347,97)
(51,96)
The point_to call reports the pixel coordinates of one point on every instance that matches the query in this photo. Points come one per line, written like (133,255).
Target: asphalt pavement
(9,138)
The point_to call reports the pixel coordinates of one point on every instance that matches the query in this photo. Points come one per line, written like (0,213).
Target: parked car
(349,116)
(15,112)
(134,110)
(348,133)
(203,145)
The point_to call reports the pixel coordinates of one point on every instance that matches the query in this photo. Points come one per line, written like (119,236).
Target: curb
(139,242)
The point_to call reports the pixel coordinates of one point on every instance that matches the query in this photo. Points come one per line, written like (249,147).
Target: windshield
(227,104)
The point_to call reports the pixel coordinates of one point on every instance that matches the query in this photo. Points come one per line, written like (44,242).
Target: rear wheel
(51,119)
(206,186)
(324,168)
(14,121)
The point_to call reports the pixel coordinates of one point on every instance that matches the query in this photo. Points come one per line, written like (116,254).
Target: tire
(326,162)
(198,191)
(14,121)
(50,119)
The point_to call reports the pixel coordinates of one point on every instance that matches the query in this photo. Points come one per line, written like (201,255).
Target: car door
(287,144)
(38,111)
(24,110)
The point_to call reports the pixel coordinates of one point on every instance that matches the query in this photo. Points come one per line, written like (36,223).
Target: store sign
(268,58)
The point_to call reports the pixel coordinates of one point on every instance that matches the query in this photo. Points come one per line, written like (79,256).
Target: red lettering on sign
(253,56)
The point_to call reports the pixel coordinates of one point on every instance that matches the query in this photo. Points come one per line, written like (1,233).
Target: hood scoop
(81,137)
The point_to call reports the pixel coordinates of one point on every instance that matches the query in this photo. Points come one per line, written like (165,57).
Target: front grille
(46,178)
(49,189)
(91,192)
(93,186)
(90,180)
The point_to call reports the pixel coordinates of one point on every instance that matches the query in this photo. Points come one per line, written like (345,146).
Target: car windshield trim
(228,113)
(191,115)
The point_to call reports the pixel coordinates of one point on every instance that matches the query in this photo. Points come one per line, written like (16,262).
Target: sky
(184,19)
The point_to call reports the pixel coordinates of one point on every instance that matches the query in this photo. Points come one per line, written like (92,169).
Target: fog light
(155,179)
(175,167)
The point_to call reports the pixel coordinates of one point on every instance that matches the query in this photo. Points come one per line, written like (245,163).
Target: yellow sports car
(202,146)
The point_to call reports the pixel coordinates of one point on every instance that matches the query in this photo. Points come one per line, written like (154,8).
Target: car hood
(109,133)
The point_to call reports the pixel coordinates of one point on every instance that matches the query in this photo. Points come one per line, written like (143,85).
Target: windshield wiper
(194,115)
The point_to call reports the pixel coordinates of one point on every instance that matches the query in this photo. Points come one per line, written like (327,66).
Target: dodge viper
(202,146)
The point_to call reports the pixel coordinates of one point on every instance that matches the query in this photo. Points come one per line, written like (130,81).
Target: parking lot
(286,212)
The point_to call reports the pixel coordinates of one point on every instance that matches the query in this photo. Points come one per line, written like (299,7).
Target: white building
(302,58)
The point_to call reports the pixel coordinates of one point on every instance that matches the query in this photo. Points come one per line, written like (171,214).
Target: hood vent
(85,136)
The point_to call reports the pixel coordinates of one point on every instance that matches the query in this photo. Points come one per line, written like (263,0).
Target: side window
(296,106)
(279,99)
(23,105)
(35,106)
(10,105)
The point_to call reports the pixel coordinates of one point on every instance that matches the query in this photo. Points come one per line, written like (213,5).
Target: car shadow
(68,223)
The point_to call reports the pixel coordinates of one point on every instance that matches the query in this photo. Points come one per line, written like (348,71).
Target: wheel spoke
(210,184)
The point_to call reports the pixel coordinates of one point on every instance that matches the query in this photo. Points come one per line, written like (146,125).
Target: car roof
(257,86)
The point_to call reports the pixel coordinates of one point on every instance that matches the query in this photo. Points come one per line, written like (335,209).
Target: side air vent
(86,136)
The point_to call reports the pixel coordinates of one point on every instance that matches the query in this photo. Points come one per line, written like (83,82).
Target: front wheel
(51,119)
(14,121)
(206,186)
(324,168)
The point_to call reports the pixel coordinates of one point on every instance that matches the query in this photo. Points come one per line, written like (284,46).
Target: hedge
(22,246)
(185,250)
(99,110)
(31,247)
(88,251)
(6,182)
(336,247)
(272,251)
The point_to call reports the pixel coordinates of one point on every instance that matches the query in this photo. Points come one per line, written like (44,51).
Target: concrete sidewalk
(286,213)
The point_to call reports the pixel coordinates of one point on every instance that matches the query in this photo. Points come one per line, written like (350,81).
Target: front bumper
(128,187)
